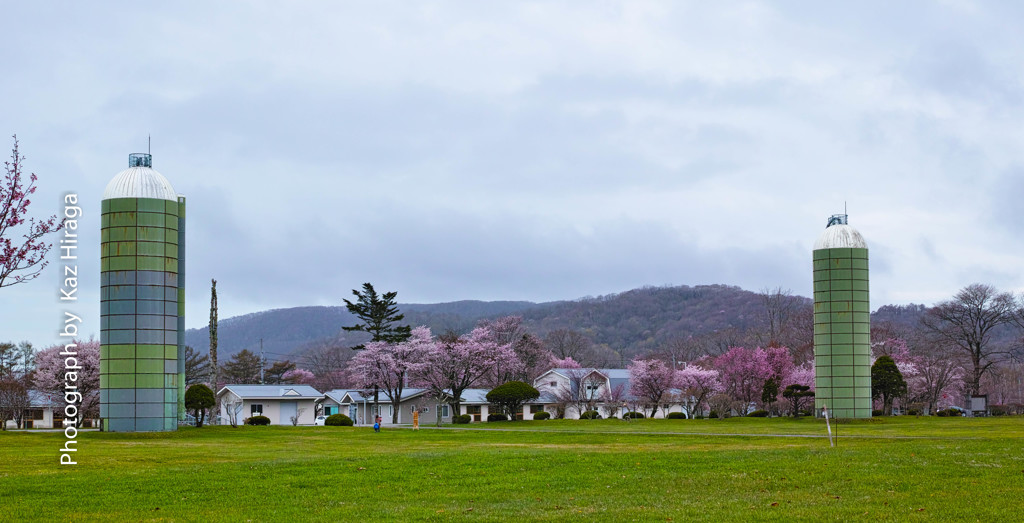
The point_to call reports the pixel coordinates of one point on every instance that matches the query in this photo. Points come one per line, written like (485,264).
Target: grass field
(906,469)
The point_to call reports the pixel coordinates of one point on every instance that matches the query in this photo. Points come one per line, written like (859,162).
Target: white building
(278,402)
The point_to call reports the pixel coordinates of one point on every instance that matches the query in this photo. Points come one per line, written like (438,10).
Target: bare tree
(214,373)
(298,415)
(13,401)
(779,307)
(613,398)
(232,407)
(967,322)
(568,343)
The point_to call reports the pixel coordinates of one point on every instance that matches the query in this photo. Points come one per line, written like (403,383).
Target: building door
(288,409)
(352,412)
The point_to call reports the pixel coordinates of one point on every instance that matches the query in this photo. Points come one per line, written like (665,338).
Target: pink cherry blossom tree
(455,363)
(389,365)
(53,375)
(533,359)
(298,377)
(743,373)
(567,363)
(696,384)
(802,375)
(24,258)
(650,380)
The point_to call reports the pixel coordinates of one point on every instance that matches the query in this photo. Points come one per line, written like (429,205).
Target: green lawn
(927,469)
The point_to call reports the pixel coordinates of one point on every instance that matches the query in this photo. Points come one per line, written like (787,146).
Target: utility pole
(263,361)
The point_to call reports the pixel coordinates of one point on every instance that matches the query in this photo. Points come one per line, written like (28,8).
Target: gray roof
(273,391)
(38,398)
(338,395)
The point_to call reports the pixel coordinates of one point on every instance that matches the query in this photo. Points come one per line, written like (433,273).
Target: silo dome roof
(140,181)
(840,236)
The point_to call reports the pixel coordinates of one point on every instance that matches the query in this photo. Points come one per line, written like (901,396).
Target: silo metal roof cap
(140,180)
(838,234)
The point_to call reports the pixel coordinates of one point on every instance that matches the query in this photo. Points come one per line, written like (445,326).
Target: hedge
(258,420)
(462,419)
(590,414)
(338,420)
(676,415)
(542,415)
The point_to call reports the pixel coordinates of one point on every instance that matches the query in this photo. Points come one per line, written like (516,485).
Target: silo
(142,296)
(842,321)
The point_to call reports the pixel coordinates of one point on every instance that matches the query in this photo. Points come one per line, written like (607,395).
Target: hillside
(631,322)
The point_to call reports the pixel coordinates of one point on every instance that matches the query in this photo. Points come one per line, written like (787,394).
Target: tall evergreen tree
(243,368)
(197,366)
(379,315)
(887,382)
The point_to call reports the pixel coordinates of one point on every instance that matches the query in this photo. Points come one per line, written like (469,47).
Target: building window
(474,411)
(553,384)
(257,409)
(444,411)
(425,409)
(536,408)
(34,414)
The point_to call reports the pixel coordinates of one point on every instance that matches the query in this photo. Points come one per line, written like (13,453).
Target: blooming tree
(697,385)
(389,365)
(23,259)
(650,380)
(54,372)
(298,377)
(743,373)
(802,375)
(567,363)
(531,357)
(455,363)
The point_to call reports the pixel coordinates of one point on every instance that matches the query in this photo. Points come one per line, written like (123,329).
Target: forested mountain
(629,323)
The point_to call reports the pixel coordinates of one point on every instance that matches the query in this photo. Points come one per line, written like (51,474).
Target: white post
(824,410)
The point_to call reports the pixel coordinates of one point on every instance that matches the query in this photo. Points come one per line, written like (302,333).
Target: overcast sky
(527,151)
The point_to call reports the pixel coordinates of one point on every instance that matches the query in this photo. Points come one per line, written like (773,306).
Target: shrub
(760,413)
(913,412)
(676,415)
(713,415)
(590,414)
(699,416)
(497,417)
(542,415)
(258,420)
(633,415)
(198,398)
(338,420)
(877,412)
(948,412)
(999,410)
(462,419)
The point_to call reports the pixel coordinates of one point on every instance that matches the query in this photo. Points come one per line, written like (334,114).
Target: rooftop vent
(140,160)
(837,219)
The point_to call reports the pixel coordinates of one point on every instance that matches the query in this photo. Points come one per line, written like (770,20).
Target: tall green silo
(142,285)
(842,322)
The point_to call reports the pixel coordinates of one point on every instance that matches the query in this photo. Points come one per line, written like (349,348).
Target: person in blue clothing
(376,423)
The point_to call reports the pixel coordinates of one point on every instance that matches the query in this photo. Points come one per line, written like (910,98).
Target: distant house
(43,409)
(606,390)
(277,402)
(355,405)
(474,402)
